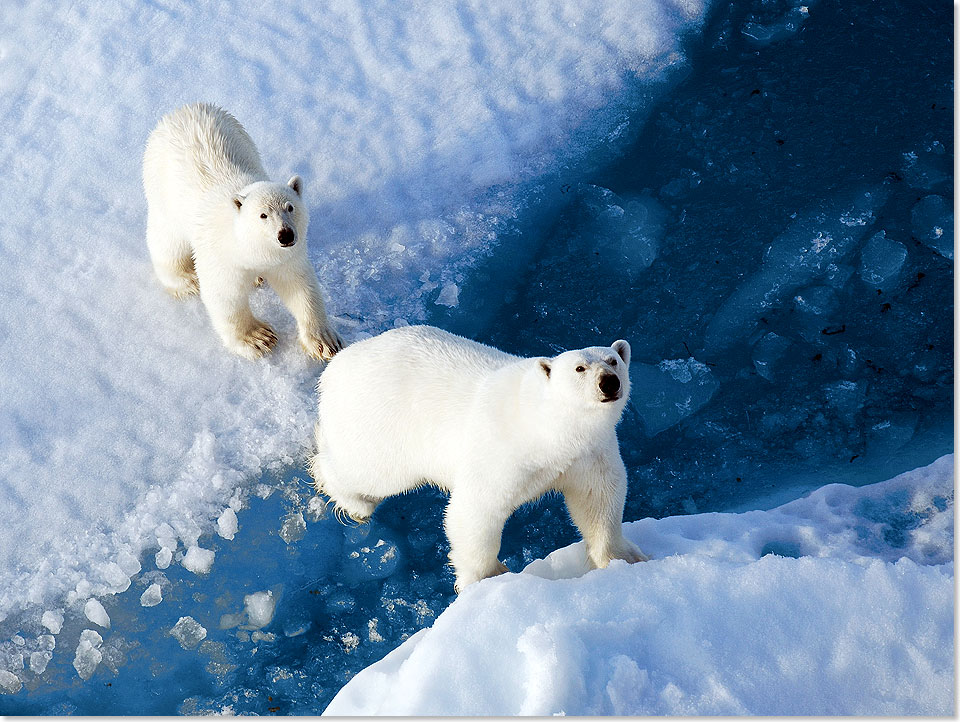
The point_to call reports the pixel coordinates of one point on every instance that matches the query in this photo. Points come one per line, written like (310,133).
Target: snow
(847,591)
(420,135)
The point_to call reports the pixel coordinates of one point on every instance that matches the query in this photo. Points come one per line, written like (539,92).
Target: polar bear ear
(623,350)
(238,201)
(545,367)
(297,184)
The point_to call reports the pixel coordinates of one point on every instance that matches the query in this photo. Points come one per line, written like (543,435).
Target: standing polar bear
(419,405)
(216,224)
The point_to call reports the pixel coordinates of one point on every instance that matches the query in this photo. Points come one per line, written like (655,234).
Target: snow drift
(837,603)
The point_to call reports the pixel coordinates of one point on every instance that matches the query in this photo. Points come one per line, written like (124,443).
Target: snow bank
(837,603)
(125,428)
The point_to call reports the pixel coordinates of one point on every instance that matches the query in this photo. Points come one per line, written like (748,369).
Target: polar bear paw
(259,340)
(322,345)
(630,553)
(182,286)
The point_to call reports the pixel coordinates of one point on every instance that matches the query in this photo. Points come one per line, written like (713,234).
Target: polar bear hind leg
(172,259)
(356,507)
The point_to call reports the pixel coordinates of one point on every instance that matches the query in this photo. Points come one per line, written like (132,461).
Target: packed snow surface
(837,603)
(419,131)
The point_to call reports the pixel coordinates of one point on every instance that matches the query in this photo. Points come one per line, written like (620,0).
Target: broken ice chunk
(881,261)
(9,682)
(227,524)
(94,611)
(39,661)
(52,620)
(669,392)
(932,218)
(449,296)
(293,528)
(151,596)
(198,560)
(767,351)
(88,654)
(259,607)
(163,558)
(189,632)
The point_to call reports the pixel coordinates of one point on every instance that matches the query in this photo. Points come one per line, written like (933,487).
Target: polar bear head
(597,377)
(270,222)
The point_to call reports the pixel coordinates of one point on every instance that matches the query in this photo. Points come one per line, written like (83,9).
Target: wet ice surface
(776,247)
(276,627)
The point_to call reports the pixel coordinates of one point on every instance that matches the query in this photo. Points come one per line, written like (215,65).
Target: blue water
(845,374)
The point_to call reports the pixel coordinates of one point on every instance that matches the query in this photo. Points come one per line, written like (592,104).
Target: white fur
(419,405)
(206,190)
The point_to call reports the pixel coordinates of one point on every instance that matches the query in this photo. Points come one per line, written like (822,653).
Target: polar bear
(418,405)
(217,225)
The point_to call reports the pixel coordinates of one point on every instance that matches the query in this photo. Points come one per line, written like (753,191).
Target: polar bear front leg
(297,286)
(225,295)
(474,527)
(595,493)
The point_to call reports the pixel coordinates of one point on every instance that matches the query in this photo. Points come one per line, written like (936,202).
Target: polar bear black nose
(609,384)
(286,237)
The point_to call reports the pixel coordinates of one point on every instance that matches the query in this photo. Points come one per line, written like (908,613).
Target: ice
(163,558)
(88,654)
(449,296)
(731,607)
(9,682)
(198,560)
(151,596)
(189,632)
(94,611)
(932,218)
(293,528)
(821,237)
(39,661)
(767,351)
(881,262)
(227,524)
(259,608)
(52,620)
(669,392)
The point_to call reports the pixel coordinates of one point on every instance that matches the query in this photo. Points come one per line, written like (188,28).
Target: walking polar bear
(217,225)
(419,405)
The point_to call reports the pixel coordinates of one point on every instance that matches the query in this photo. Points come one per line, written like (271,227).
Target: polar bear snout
(609,387)
(286,236)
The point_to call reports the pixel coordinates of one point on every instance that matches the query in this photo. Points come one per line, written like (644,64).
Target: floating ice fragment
(449,296)
(198,560)
(665,394)
(39,661)
(189,632)
(128,564)
(94,611)
(9,682)
(767,351)
(293,528)
(52,620)
(88,654)
(227,524)
(377,561)
(259,607)
(881,261)
(163,558)
(151,596)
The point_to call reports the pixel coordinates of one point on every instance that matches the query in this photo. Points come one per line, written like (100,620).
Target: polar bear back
(403,400)
(198,148)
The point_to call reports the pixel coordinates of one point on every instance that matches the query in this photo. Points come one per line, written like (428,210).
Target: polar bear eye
(289,207)
(263,215)
(581,369)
